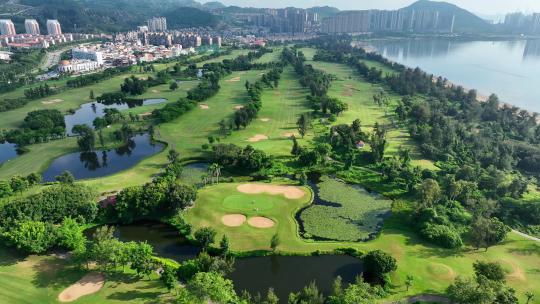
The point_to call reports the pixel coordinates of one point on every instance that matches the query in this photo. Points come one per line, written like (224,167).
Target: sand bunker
(204,107)
(52,101)
(235,79)
(290,192)
(89,284)
(261,222)
(238,107)
(257,138)
(265,119)
(155,91)
(233,220)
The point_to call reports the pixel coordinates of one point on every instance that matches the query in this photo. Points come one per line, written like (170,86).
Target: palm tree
(409,281)
(529,296)
(214,171)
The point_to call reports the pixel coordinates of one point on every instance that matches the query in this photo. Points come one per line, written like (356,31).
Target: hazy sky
(477,6)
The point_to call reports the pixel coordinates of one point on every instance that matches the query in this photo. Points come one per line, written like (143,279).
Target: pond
(7,151)
(164,238)
(354,213)
(101,163)
(92,110)
(285,274)
(288,274)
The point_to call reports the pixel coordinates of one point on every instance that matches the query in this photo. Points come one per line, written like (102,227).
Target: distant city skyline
(485,7)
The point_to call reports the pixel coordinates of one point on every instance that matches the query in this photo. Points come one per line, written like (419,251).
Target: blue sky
(477,6)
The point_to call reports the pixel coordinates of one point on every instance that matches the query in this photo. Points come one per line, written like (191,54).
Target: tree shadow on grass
(132,295)
(53,272)
(10,256)
(529,249)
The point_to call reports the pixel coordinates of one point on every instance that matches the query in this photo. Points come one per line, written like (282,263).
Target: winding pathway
(529,237)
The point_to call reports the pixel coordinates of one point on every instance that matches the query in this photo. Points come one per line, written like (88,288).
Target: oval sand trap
(265,119)
(290,192)
(204,107)
(257,138)
(233,220)
(89,284)
(261,222)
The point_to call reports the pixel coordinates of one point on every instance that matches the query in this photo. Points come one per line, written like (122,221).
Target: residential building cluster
(403,20)
(169,39)
(33,38)
(287,20)
(157,24)
(522,23)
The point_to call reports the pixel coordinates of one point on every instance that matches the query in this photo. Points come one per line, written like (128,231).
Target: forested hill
(465,22)
(112,16)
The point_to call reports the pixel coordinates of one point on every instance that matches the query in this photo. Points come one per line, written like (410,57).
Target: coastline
(480,96)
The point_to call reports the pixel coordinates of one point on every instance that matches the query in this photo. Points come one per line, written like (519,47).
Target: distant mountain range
(465,22)
(122,15)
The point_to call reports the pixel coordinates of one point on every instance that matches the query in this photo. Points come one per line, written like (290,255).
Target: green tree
(141,259)
(309,294)
(70,235)
(303,123)
(274,242)
(168,277)
(87,137)
(409,281)
(207,287)
(18,183)
(31,236)
(173,86)
(377,263)
(429,193)
(530,296)
(302,178)
(33,179)
(224,245)
(65,178)
(173,155)
(5,189)
(92,97)
(205,236)
(491,270)
(486,232)
(271,297)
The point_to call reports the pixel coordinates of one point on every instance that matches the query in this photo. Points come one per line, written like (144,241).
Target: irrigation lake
(510,69)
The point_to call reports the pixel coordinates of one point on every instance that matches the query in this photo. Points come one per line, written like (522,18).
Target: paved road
(422,298)
(529,237)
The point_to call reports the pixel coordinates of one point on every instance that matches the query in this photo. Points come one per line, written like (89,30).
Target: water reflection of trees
(90,160)
(126,149)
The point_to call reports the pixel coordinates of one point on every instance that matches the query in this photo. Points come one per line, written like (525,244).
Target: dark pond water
(288,274)
(164,238)
(104,162)
(255,274)
(90,111)
(7,151)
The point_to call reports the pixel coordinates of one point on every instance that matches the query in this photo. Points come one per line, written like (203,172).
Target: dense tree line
(245,115)
(43,90)
(32,224)
(163,196)
(86,80)
(18,184)
(240,159)
(38,126)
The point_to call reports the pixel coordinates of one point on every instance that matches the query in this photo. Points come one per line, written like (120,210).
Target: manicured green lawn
(210,208)
(281,108)
(40,279)
(247,202)
(271,57)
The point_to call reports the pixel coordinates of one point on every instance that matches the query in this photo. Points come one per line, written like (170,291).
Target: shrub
(442,235)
